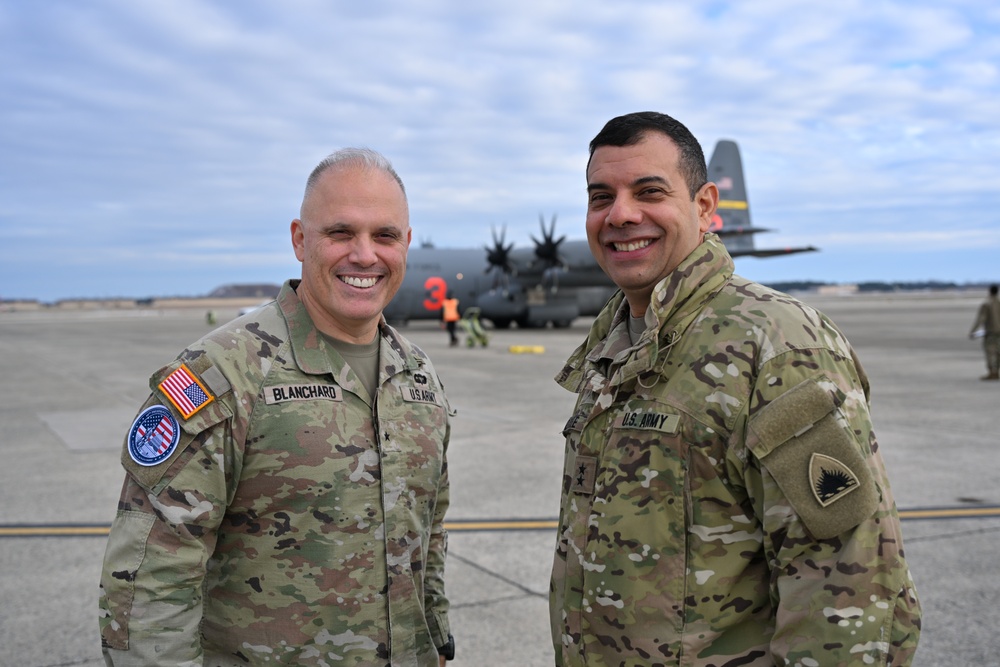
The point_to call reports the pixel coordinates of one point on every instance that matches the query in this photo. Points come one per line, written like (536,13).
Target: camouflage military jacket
(723,500)
(273,513)
(988,317)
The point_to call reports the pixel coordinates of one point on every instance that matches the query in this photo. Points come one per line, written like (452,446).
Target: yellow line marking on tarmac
(462,525)
(526,349)
(504,524)
(52,531)
(950,513)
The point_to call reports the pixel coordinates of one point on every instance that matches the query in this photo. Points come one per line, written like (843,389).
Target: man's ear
(706,200)
(298,239)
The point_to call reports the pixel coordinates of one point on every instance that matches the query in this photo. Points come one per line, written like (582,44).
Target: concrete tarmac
(70,383)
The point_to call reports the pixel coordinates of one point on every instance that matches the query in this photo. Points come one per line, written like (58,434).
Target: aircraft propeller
(547,249)
(498,257)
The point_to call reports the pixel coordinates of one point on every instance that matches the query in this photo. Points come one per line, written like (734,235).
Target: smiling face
(352,240)
(641,219)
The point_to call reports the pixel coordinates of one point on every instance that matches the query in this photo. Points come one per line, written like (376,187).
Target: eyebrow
(645,180)
(349,227)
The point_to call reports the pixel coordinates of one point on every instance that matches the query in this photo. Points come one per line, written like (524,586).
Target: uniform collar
(676,302)
(313,355)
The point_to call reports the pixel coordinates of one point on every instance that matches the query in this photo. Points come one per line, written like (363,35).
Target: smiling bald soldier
(286,481)
(724,501)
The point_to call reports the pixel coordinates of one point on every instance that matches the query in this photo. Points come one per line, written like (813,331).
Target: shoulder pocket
(815,461)
(124,554)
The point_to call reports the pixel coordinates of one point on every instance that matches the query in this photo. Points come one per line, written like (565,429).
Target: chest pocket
(302,424)
(413,414)
(638,522)
(309,445)
(642,465)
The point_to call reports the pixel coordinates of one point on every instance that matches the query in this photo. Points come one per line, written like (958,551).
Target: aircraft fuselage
(531,295)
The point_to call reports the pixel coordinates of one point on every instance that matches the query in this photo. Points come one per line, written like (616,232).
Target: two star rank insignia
(583,474)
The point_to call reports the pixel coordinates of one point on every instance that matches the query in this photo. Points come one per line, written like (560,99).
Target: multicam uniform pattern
(988,318)
(299,521)
(724,501)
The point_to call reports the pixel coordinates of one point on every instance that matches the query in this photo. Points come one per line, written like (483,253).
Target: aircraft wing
(732,219)
(771,252)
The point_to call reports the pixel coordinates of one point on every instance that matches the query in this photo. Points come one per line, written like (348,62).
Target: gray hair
(365,158)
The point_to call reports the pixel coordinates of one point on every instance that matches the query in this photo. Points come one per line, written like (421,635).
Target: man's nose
(363,251)
(623,212)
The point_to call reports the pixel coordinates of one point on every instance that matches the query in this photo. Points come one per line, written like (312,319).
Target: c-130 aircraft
(557,280)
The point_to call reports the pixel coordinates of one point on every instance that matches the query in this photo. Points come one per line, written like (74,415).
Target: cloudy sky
(160,147)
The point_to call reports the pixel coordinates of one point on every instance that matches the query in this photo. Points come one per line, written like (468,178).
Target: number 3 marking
(438,290)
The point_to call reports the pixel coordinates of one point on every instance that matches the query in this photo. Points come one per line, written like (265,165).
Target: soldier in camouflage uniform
(988,319)
(286,480)
(724,501)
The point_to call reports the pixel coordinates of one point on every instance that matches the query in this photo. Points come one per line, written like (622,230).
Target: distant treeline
(925,286)
(258,290)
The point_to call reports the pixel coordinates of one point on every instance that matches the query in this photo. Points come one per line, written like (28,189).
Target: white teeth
(629,247)
(359,282)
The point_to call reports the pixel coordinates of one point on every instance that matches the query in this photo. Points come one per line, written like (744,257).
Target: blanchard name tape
(302,392)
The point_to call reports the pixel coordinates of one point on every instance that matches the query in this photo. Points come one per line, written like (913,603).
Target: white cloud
(200,119)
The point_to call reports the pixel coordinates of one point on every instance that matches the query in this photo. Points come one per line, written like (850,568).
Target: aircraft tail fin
(732,219)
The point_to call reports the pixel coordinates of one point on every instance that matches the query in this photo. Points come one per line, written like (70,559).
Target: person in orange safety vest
(449,313)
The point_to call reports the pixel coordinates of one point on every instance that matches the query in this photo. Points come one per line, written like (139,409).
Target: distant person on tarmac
(286,480)
(450,316)
(988,319)
(724,500)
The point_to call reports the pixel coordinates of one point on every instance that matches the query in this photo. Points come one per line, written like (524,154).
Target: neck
(356,333)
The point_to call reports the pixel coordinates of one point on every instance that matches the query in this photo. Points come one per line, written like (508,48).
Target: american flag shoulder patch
(186,391)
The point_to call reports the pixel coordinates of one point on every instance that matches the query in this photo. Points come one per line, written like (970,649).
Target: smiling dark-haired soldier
(724,501)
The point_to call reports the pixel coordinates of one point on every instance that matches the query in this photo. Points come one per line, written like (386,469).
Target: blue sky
(160,147)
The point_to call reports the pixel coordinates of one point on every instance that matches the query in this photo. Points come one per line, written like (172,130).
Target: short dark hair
(630,129)
(993,290)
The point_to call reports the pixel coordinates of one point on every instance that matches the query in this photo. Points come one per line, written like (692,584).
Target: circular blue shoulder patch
(154,436)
